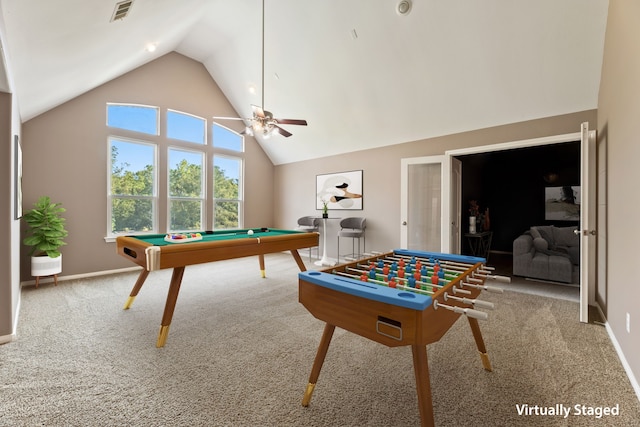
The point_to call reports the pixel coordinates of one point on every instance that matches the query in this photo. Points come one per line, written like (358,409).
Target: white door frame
(587,277)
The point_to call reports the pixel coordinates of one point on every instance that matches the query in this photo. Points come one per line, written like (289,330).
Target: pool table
(154,252)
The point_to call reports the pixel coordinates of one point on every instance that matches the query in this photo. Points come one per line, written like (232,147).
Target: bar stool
(310,224)
(353,228)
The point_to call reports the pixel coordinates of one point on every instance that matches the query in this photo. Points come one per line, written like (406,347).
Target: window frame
(162,144)
(203,184)
(110,196)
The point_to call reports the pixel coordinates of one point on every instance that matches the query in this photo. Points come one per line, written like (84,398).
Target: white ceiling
(448,66)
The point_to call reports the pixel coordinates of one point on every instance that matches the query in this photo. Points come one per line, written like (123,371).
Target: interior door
(455,215)
(587,221)
(421,204)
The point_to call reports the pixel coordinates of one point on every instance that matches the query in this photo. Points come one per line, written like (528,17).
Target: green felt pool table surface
(217,235)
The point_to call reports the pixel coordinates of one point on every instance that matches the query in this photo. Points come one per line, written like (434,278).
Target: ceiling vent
(122,10)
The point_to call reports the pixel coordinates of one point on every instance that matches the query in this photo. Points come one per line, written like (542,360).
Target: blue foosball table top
(372,290)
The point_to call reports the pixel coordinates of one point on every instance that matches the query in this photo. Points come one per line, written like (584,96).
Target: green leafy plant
(46,228)
(325,207)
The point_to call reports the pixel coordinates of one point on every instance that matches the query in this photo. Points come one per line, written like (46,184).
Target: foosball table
(400,298)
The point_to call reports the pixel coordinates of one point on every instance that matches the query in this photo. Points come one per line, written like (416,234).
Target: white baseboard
(81,276)
(7,338)
(623,360)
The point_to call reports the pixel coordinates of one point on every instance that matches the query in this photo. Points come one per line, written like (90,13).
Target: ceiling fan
(263,121)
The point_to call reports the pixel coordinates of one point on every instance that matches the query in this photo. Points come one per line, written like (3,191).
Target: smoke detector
(403,7)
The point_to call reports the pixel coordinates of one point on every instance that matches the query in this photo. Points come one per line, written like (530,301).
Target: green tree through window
(131,189)
(186,195)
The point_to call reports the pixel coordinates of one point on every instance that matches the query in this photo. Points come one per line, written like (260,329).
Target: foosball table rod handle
(469,312)
(484,287)
(504,279)
(474,302)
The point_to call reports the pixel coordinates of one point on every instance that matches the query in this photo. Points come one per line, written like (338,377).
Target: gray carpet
(240,350)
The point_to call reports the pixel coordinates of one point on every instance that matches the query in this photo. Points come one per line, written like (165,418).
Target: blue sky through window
(225,138)
(136,155)
(186,127)
(231,167)
(137,118)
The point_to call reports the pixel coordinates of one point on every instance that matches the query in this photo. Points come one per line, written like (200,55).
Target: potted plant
(45,234)
(325,209)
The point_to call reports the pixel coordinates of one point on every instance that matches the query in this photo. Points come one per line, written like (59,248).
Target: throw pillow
(535,233)
(547,234)
(540,244)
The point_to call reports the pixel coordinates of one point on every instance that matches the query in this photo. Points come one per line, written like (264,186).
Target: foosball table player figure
(400,298)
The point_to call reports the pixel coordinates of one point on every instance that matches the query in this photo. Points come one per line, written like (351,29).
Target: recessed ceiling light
(252,89)
(151,47)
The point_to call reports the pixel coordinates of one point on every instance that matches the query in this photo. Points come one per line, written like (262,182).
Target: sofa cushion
(566,236)
(560,269)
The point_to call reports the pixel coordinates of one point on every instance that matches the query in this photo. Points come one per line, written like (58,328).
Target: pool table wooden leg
(262,269)
(317,363)
(477,335)
(423,384)
(136,288)
(170,305)
(298,259)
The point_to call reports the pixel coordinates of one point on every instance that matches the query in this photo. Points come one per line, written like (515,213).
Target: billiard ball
(250,232)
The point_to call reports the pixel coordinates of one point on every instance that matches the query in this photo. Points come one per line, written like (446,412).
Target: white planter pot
(45,266)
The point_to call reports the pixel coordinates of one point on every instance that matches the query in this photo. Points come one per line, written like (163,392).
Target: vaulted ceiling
(361,74)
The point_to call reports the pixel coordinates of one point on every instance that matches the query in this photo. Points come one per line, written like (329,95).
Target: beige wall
(618,113)
(381,176)
(65,155)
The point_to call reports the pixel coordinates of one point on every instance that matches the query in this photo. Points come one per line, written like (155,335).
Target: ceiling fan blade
(229,118)
(283,132)
(291,122)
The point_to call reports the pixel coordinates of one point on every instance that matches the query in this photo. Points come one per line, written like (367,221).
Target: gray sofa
(547,253)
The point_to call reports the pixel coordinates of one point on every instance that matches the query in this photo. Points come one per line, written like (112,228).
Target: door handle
(404,222)
(585,232)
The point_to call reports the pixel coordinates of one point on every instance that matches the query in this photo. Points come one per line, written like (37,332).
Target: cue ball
(250,232)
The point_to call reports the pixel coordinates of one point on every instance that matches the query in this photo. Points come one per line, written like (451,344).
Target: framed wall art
(562,203)
(342,190)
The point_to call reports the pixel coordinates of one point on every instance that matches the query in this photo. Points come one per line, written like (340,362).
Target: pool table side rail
(153,257)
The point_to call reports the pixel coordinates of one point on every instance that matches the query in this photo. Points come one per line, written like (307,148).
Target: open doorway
(586,231)
(511,187)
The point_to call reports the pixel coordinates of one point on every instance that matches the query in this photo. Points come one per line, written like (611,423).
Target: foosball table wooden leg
(317,363)
(477,335)
(423,384)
